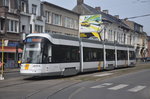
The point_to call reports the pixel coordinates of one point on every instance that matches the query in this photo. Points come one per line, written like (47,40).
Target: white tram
(54,54)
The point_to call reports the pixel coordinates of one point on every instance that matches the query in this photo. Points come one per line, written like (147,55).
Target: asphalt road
(129,86)
(126,83)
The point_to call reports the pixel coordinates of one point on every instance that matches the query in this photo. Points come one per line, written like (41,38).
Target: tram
(54,54)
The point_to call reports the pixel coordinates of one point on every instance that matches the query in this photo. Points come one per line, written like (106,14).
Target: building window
(23,28)
(34,7)
(38,28)
(13,26)
(70,23)
(48,17)
(75,24)
(110,35)
(23,6)
(1,24)
(48,31)
(6,3)
(56,19)
(30,28)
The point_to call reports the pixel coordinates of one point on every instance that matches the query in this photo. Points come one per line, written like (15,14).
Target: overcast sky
(123,8)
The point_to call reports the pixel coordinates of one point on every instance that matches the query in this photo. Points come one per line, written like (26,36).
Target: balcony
(14,11)
(38,18)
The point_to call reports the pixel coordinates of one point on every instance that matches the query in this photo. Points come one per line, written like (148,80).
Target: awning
(11,49)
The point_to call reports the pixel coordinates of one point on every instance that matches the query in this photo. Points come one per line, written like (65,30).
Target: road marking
(104,74)
(76,92)
(102,85)
(118,87)
(137,88)
(107,84)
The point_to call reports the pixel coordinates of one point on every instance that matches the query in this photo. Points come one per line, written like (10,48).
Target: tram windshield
(32,51)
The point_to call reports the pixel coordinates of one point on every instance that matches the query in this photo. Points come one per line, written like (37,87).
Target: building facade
(24,18)
(113,29)
(148,55)
(116,30)
(10,31)
(60,20)
(19,18)
(139,39)
(37,20)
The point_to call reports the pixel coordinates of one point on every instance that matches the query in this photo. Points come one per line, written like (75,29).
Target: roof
(45,2)
(105,17)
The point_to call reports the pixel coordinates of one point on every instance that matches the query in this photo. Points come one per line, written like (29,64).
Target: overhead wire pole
(2,70)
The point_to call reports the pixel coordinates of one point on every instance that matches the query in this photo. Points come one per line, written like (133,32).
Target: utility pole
(3,34)
(2,63)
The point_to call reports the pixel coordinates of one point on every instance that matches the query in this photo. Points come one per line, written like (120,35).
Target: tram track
(49,96)
(51,90)
(51,85)
(26,80)
(16,84)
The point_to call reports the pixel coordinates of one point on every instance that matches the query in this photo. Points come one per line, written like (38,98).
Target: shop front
(11,54)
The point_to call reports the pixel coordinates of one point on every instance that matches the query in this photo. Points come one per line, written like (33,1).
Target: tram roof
(73,38)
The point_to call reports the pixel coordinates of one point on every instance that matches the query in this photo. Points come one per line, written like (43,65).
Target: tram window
(61,54)
(122,55)
(46,51)
(131,55)
(110,55)
(92,54)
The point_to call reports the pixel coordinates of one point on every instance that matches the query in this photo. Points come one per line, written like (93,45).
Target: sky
(123,8)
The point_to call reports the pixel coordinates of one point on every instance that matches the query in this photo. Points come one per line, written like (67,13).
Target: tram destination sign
(33,39)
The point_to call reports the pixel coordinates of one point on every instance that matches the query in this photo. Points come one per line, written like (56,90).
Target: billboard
(90,26)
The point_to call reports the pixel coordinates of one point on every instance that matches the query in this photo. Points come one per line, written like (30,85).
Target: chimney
(79,2)
(98,8)
(106,11)
(117,16)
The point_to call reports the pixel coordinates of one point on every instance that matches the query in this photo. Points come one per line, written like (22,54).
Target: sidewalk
(10,70)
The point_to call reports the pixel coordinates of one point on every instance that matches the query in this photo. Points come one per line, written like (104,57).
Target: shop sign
(11,44)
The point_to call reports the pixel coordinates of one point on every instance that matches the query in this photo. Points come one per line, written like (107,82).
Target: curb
(11,70)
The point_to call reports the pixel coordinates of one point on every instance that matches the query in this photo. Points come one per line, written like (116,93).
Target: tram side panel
(132,58)
(110,58)
(68,57)
(92,56)
(122,57)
